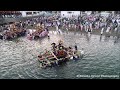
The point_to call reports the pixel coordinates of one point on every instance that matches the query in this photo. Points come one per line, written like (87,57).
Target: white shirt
(48,34)
(115,29)
(56,27)
(108,29)
(102,30)
(90,25)
(82,52)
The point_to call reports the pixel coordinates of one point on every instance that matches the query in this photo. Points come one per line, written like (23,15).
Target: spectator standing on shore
(89,31)
(56,27)
(81,27)
(102,31)
(48,36)
(91,27)
(108,29)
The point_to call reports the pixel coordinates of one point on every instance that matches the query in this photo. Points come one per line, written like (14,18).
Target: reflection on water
(100,38)
(19,59)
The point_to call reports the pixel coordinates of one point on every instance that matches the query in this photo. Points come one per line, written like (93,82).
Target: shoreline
(94,32)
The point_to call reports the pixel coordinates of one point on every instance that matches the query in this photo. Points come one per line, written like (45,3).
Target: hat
(53,44)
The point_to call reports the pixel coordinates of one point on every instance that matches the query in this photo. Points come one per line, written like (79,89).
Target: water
(18,59)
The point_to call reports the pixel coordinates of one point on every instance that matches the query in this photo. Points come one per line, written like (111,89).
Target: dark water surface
(18,59)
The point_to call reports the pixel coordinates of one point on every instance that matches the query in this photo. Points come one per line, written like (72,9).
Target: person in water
(54,48)
(1,36)
(82,52)
(48,36)
(76,47)
(60,44)
(102,30)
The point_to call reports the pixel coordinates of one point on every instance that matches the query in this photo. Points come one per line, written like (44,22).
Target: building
(31,13)
(9,14)
(70,14)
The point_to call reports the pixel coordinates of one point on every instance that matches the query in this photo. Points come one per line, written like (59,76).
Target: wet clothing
(76,47)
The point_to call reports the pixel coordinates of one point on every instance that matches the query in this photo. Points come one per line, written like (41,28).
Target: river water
(18,58)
